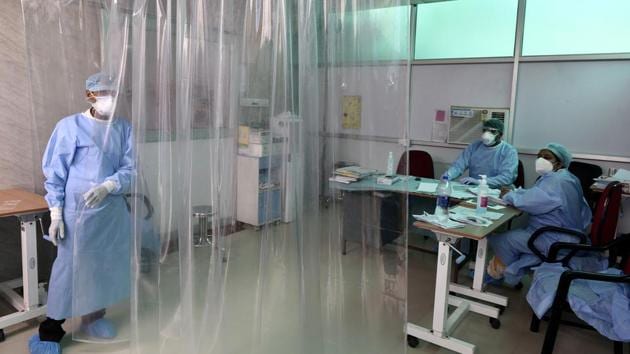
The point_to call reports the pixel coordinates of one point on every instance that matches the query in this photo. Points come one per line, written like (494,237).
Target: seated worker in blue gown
(88,166)
(488,156)
(556,199)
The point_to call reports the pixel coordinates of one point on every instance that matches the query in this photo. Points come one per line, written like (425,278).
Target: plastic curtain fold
(233,237)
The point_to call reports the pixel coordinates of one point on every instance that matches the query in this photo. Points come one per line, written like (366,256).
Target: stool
(201,213)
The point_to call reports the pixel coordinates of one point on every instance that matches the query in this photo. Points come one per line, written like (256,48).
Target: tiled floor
(268,303)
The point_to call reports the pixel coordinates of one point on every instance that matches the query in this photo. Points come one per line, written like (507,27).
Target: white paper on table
(461,194)
(491,192)
(432,219)
(493,207)
(470,219)
(622,175)
(427,187)
(472,212)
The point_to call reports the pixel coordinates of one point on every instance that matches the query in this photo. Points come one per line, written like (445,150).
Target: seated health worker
(556,199)
(488,156)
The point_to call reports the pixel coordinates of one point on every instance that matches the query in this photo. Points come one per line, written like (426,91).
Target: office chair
(585,172)
(415,163)
(603,228)
(520,176)
(603,232)
(420,164)
(620,249)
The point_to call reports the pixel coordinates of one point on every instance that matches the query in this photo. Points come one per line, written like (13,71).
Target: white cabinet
(258,197)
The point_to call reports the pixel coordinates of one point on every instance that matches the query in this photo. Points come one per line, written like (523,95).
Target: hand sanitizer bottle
(482,196)
(441,203)
(390,164)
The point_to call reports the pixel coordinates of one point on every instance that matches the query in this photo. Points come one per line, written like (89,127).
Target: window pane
(372,34)
(466,29)
(557,27)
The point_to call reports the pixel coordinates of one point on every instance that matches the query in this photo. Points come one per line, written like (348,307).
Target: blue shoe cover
(101,328)
(35,346)
(488,280)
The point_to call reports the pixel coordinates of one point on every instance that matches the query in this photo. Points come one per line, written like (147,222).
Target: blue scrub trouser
(510,245)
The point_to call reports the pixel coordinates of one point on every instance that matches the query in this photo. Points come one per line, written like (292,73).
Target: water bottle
(443,193)
(390,164)
(482,196)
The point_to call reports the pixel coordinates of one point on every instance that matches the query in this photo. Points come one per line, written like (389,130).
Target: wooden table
(28,208)
(444,325)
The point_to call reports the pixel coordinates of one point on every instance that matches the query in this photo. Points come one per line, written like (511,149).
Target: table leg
(443,326)
(29,263)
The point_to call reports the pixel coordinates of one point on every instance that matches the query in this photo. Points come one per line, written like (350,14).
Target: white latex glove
(56,231)
(96,195)
(469,180)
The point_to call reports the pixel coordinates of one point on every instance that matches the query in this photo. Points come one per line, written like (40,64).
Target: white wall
(583,105)
(437,87)
(206,177)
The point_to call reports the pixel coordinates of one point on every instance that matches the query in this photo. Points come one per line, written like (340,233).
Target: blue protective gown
(556,199)
(499,163)
(91,271)
(603,305)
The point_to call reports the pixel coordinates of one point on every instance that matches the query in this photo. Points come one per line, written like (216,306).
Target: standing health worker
(88,166)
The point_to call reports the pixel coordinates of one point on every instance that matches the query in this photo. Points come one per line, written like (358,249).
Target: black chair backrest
(420,164)
(520,176)
(585,172)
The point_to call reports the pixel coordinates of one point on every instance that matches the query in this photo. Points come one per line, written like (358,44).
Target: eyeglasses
(490,130)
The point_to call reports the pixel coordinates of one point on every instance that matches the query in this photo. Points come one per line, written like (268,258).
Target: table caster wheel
(501,310)
(412,341)
(2,337)
(495,323)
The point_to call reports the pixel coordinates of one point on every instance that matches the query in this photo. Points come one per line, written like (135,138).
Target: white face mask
(543,166)
(104,105)
(488,138)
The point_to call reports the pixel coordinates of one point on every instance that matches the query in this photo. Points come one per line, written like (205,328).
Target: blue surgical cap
(561,153)
(494,124)
(100,82)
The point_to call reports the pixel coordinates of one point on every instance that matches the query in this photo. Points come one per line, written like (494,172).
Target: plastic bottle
(482,196)
(443,193)
(390,164)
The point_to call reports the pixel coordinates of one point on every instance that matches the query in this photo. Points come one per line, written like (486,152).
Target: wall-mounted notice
(440,127)
(351,112)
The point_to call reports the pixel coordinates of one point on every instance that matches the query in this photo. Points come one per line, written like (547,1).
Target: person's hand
(469,180)
(56,231)
(96,195)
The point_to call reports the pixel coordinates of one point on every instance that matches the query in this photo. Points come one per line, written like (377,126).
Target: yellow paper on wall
(243,135)
(351,112)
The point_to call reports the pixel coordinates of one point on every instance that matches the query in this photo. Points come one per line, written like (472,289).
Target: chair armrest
(620,242)
(568,276)
(581,237)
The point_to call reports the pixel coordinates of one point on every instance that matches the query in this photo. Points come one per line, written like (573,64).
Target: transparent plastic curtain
(87,158)
(238,241)
(365,80)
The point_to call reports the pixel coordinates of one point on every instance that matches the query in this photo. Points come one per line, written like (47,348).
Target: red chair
(603,228)
(420,164)
(606,215)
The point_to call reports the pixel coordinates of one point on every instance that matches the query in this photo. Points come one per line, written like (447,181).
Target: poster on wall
(440,127)
(351,112)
